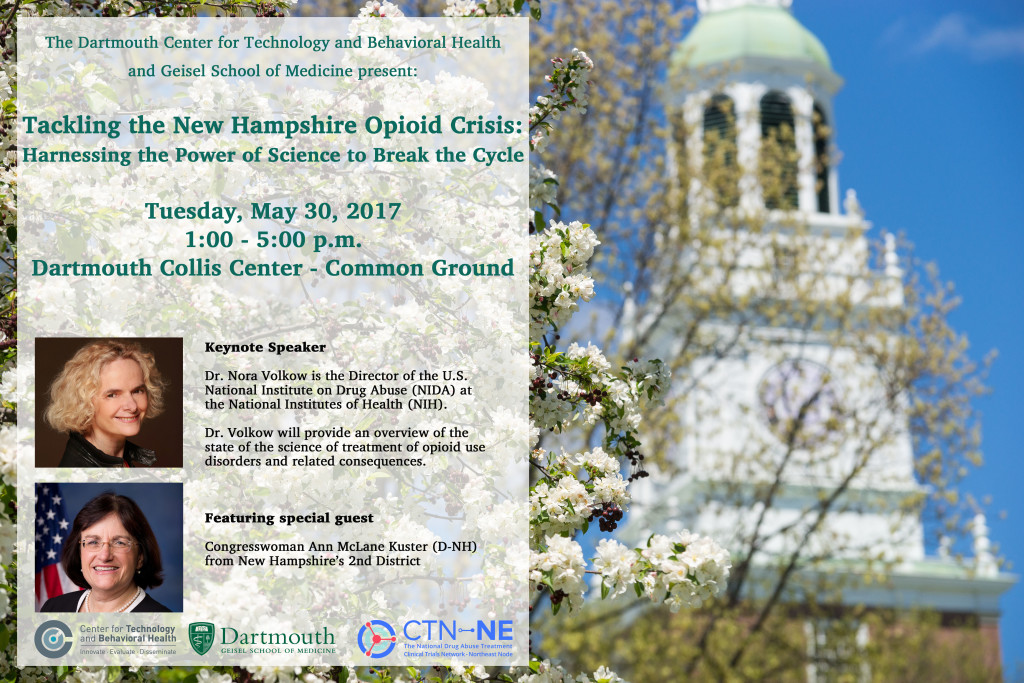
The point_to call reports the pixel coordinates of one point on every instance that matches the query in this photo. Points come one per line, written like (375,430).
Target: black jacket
(80,453)
(69,603)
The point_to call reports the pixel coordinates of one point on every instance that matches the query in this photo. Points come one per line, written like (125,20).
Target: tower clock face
(799,402)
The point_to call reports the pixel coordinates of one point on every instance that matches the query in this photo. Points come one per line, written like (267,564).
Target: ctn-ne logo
(53,639)
(372,640)
(200,636)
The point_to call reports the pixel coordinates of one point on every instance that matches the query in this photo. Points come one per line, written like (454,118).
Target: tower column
(803,120)
(748,141)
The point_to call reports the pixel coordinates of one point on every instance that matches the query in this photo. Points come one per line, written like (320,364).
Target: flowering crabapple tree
(674,256)
(578,387)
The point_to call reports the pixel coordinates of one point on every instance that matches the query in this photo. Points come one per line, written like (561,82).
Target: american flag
(52,529)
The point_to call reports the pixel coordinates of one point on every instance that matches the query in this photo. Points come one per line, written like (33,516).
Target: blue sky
(929,124)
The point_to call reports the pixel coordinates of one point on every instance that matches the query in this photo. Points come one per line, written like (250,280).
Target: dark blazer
(80,453)
(69,603)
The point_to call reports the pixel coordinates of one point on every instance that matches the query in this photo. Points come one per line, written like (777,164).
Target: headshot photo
(108,548)
(108,402)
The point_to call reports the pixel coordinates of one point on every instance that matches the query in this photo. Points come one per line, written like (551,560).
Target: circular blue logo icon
(376,638)
(53,639)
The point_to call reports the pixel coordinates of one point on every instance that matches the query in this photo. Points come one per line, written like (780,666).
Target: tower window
(778,152)
(721,172)
(822,132)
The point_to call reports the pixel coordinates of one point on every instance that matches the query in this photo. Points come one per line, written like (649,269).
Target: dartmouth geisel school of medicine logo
(200,636)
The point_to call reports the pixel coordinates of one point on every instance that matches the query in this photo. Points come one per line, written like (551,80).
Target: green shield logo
(200,636)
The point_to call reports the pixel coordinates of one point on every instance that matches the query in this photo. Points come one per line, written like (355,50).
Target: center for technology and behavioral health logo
(200,636)
(53,639)
(371,636)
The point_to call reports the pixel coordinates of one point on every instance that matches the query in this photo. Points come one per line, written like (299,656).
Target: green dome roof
(750,31)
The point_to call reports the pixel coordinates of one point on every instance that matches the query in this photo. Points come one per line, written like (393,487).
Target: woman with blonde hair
(100,399)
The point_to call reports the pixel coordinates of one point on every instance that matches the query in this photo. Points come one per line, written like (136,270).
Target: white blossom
(617,564)
(9,454)
(561,566)
(207,676)
(377,8)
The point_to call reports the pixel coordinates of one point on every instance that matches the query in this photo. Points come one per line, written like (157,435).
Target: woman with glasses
(113,553)
(100,399)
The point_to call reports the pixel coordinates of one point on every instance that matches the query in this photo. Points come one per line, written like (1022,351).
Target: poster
(891,162)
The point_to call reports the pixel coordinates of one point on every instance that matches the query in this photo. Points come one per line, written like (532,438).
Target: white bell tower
(787,404)
(795,410)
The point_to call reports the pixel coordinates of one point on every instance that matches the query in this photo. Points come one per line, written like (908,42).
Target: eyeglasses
(118,545)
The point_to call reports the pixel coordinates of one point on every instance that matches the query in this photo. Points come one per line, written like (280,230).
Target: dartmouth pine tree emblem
(200,635)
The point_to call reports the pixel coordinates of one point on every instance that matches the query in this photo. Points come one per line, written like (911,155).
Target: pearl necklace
(135,596)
